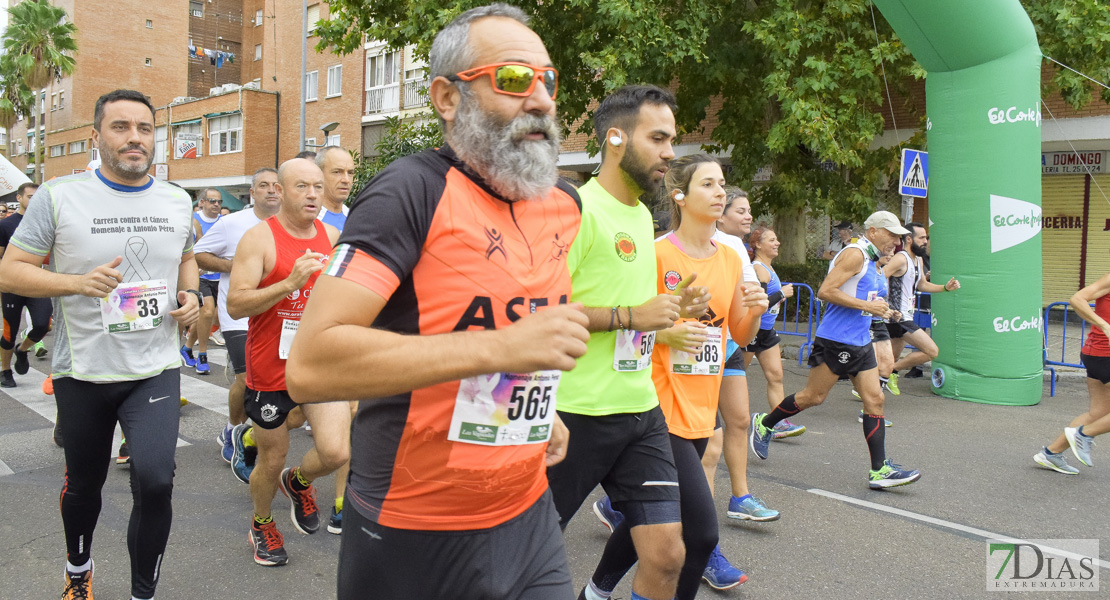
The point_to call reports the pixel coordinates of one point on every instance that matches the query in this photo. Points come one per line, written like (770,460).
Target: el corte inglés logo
(1012,222)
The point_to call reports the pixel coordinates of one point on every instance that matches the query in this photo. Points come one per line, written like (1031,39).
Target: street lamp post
(326,128)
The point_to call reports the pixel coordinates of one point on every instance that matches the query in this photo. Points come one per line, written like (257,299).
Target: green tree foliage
(399,138)
(797,84)
(40,40)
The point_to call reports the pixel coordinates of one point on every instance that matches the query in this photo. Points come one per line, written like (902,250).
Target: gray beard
(123,169)
(514,167)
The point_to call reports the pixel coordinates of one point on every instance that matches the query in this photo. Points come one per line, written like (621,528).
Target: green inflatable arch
(983,103)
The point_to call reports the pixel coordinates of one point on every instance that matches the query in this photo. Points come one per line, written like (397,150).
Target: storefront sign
(1065,163)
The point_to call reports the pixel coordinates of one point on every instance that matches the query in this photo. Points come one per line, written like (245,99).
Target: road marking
(948,524)
(5,469)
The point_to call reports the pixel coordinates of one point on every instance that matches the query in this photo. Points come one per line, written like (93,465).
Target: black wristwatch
(200,297)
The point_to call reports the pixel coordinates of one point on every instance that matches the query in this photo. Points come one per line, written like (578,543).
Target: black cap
(844,225)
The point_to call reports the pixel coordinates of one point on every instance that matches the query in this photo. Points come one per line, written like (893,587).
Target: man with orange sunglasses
(441,312)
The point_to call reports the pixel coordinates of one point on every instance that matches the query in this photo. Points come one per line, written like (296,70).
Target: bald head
(301,185)
(294,166)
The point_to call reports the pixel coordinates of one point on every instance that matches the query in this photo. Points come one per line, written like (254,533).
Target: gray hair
(451,50)
(203,194)
(254,179)
(322,155)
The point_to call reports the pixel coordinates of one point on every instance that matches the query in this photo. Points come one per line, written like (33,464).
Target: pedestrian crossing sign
(915,173)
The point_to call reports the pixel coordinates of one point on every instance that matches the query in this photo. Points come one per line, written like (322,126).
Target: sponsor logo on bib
(625,246)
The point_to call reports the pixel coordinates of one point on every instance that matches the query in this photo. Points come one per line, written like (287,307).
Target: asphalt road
(836,539)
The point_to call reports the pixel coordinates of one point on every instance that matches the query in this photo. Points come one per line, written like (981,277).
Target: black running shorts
(1098,367)
(764,340)
(879,332)
(522,558)
(268,410)
(210,289)
(842,359)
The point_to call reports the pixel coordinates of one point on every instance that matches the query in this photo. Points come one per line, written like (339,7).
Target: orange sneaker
(78,586)
(48,386)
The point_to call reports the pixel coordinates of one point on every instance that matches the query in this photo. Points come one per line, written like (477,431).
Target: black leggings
(13,304)
(699,525)
(147,411)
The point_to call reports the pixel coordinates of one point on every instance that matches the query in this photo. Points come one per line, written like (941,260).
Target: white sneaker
(217,337)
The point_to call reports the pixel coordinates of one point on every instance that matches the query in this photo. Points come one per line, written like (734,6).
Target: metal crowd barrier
(1063,362)
(795,328)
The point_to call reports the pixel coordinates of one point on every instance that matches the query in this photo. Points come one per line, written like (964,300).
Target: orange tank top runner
(689,385)
(1097,344)
(270,333)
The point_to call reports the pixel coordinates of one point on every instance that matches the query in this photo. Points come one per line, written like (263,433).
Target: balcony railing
(386,98)
(416,93)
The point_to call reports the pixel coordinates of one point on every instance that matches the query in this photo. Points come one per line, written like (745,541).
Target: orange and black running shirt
(448,254)
(689,385)
(270,333)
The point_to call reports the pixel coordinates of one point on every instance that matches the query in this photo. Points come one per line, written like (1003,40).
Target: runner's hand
(557,446)
(879,308)
(788,290)
(100,282)
(895,316)
(304,267)
(658,313)
(189,310)
(549,339)
(693,301)
(755,297)
(687,336)
(952,285)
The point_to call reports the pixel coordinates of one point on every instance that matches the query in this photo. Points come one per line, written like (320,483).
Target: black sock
(874,431)
(786,409)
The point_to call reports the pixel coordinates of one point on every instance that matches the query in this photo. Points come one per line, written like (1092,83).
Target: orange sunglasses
(512,78)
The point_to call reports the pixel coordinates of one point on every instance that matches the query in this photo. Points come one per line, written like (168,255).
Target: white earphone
(679,196)
(615,140)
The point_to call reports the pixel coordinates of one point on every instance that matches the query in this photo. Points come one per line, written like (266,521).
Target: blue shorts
(734,364)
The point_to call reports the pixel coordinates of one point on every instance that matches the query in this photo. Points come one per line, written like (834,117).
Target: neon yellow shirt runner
(612,262)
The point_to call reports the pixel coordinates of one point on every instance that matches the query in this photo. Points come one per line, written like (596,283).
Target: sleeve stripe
(356,265)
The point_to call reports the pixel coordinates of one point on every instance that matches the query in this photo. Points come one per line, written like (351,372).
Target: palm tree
(40,41)
(15,96)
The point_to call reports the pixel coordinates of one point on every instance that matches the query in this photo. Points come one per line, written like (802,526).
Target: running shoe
(1080,443)
(187,356)
(720,574)
(856,394)
(302,504)
(242,458)
(892,475)
(184,401)
(759,437)
(609,516)
(335,523)
(78,585)
(1056,462)
(6,379)
(785,429)
(269,546)
(915,373)
(22,363)
(202,363)
(224,440)
(217,338)
(40,349)
(886,421)
(48,385)
(750,509)
(892,385)
(124,456)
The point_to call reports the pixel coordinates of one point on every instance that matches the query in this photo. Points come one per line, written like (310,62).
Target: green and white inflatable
(982,97)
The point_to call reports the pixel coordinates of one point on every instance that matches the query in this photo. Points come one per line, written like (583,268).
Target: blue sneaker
(609,516)
(720,574)
(242,458)
(1080,443)
(750,509)
(335,523)
(224,440)
(759,437)
(187,356)
(202,363)
(785,429)
(1056,462)
(892,475)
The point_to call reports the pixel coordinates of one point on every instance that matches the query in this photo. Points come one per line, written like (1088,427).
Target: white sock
(137,598)
(73,569)
(593,593)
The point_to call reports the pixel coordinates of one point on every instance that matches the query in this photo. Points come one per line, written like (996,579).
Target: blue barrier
(812,318)
(923,318)
(1063,343)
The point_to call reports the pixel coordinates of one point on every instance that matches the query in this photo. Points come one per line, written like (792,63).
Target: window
(160,140)
(225,134)
(335,80)
(333,140)
(59,150)
(311,83)
(3,137)
(196,9)
(53,101)
(18,146)
(61,100)
(146,62)
(258,18)
(258,52)
(149,24)
(79,146)
(313,16)
(309,143)
(382,69)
